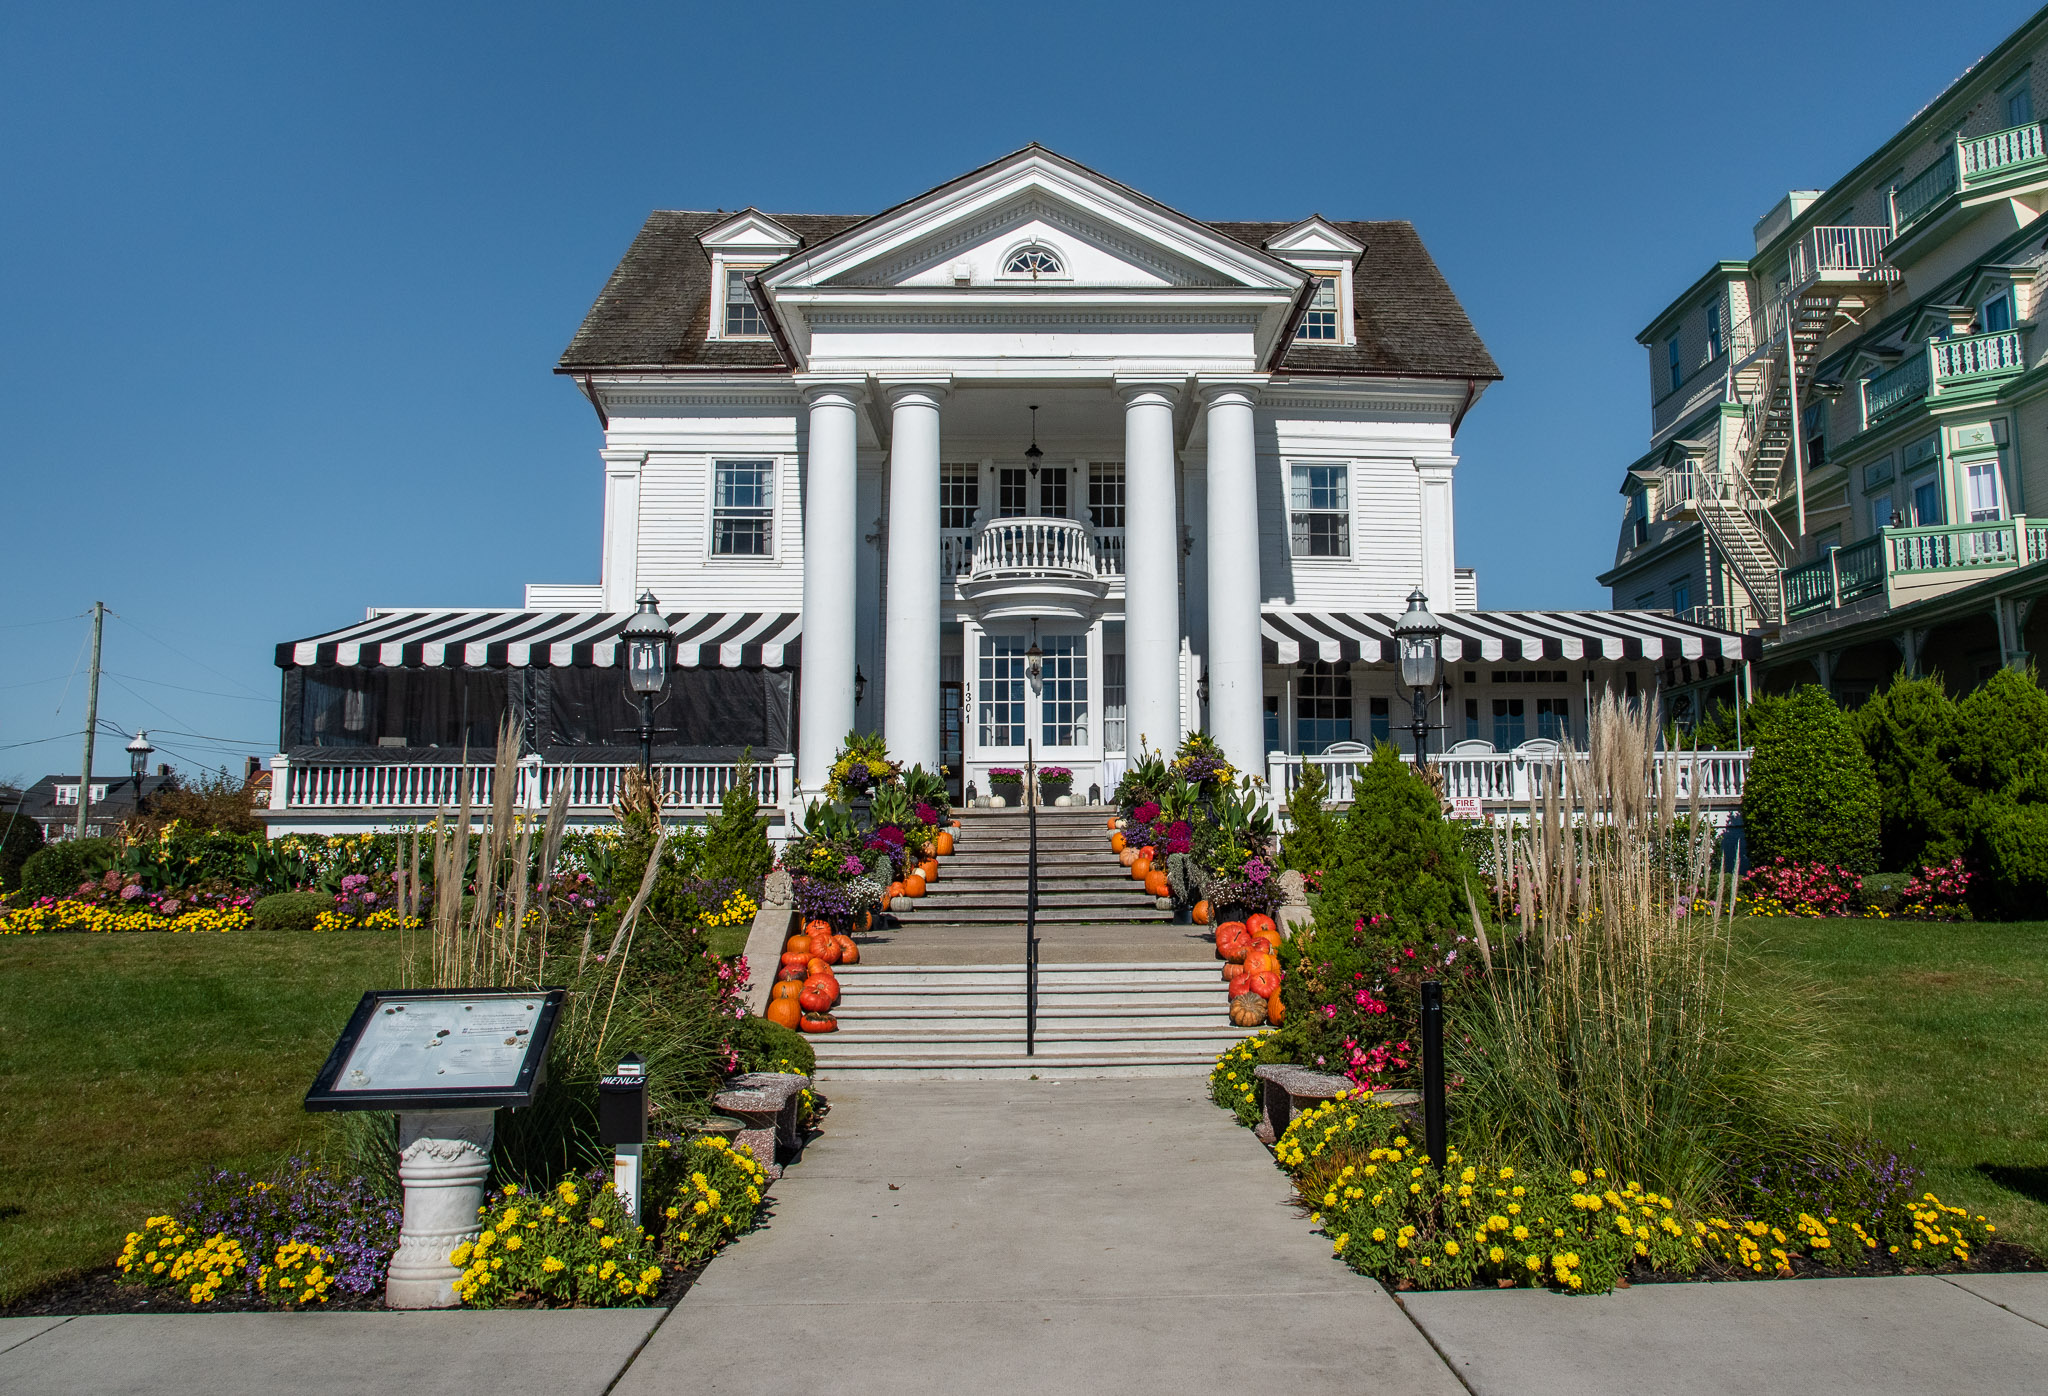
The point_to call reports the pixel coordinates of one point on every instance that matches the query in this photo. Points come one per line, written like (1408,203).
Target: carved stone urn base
(444,1158)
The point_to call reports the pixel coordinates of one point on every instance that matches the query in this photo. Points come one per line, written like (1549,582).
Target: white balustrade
(1505,779)
(593,785)
(1034,547)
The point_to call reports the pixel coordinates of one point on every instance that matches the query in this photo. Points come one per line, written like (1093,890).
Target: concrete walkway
(1044,1236)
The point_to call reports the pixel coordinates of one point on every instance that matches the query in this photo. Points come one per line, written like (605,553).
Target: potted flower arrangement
(861,768)
(1056,785)
(1006,784)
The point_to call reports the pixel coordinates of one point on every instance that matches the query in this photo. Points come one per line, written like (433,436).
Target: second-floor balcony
(1944,366)
(1903,565)
(1012,563)
(1980,164)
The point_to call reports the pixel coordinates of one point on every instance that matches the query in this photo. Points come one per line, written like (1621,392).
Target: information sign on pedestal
(444,1060)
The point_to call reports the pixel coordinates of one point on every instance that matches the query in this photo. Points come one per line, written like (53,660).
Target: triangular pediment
(750,232)
(969,231)
(1315,237)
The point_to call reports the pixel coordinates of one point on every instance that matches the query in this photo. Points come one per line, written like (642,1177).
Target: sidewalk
(1046,1236)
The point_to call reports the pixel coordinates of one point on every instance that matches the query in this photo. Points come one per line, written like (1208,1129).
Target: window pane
(1983,487)
(742,508)
(959,495)
(1320,322)
(1113,701)
(1001,691)
(1553,718)
(1012,497)
(1322,707)
(1052,492)
(1106,495)
(1510,723)
(1063,691)
(742,316)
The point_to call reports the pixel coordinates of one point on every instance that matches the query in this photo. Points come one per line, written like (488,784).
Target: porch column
(1151,570)
(620,574)
(1236,679)
(910,687)
(831,537)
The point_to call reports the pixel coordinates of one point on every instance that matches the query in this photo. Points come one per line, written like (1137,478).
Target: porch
(1486,784)
(1899,566)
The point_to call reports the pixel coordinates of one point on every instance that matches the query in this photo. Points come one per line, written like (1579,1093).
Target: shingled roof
(655,311)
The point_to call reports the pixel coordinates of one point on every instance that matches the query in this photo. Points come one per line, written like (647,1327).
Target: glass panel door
(1063,692)
(1002,691)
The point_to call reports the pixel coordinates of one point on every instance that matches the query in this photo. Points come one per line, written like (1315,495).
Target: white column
(1439,542)
(444,1156)
(1151,571)
(831,535)
(910,689)
(620,577)
(1236,678)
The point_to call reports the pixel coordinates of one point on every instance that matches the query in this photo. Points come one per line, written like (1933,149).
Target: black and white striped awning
(547,639)
(1297,637)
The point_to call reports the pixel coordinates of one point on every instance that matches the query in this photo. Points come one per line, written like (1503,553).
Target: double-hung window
(1013,493)
(1927,511)
(742,508)
(1106,494)
(743,317)
(1713,330)
(1322,706)
(959,495)
(1320,509)
(2019,99)
(1052,492)
(1980,480)
(1672,360)
(1681,596)
(1320,322)
(1995,314)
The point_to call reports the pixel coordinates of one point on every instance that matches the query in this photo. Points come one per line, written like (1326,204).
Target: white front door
(1054,711)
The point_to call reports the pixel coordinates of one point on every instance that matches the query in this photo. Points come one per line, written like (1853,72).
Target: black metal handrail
(1031,907)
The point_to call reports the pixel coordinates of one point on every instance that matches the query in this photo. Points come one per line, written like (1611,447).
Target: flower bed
(1788,887)
(50,915)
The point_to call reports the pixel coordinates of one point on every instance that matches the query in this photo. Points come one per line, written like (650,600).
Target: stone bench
(765,1103)
(1284,1091)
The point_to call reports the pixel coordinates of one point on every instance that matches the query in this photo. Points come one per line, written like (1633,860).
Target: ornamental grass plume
(1618,1024)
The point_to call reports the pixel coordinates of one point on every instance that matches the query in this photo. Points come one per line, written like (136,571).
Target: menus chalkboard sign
(439,1049)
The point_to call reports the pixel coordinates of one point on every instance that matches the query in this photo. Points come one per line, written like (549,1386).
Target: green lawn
(127,1062)
(1943,1031)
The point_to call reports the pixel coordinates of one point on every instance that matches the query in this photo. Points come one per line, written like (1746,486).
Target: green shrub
(1397,856)
(2009,839)
(290,911)
(766,1046)
(1717,730)
(20,839)
(1911,730)
(698,1195)
(736,843)
(1308,845)
(59,868)
(1812,793)
(2002,724)
(573,1246)
(1882,893)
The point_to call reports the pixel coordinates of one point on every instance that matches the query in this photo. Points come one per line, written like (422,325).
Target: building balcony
(1903,565)
(1033,566)
(1979,167)
(1963,364)
(1495,783)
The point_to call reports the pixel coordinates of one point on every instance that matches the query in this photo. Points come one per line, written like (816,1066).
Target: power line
(180,653)
(159,683)
(60,620)
(32,683)
(38,741)
(73,674)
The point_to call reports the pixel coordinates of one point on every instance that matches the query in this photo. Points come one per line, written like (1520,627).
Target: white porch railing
(1034,547)
(1505,779)
(427,787)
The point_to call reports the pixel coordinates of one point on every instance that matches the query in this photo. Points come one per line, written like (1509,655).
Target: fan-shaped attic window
(1034,262)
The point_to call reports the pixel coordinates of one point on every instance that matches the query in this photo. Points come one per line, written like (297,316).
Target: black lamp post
(1420,639)
(646,638)
(138,761)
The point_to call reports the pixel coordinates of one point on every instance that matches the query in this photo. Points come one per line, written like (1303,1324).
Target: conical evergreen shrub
(1812,792)
(1911,730)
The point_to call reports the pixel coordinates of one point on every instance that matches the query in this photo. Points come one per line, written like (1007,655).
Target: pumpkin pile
(1250,951)
(1139,861)
(806,990)
(923,874)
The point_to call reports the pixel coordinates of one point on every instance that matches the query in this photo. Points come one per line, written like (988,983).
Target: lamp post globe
(138,759)
(646,638)
(1419,637)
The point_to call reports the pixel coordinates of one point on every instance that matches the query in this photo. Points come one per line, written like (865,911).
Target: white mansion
(1030,459)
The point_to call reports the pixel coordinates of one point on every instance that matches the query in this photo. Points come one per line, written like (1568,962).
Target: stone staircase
(1080,881)
(945,1022)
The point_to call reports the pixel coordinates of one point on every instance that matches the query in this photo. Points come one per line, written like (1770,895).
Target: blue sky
(281,285)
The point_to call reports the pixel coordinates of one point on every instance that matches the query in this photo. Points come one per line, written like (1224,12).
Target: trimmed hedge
(1812,794)
(290,911)
(765,1046)
(1912,730)
(21,838)
(59,868)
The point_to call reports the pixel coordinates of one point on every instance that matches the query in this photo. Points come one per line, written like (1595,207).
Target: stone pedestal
(765,1103)
(444,1157)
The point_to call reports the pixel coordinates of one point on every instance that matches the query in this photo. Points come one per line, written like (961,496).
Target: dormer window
(1034,261)
(743,317)
(1320,323)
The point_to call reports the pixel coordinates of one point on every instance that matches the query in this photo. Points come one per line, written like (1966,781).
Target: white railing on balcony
(1841,253)
(1034,547)
(426,788)
(956,552)
(1977,355)
(2001,150)
(1501,780)
(1974,162)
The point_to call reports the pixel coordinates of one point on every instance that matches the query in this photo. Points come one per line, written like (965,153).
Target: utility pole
(92,715)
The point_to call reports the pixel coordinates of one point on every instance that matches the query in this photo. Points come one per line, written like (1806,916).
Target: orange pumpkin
(790,974)
(913,886)
(827,949)
(867,923)
(785,989)
(944,842)
(1157,884)
(849,953)
(1259,958)
(1127,855)
(815,997)
(1268,935)
(824,984)
(1276,1011)
(817,928)
(817,1022)
(783,1013)
(798,945)
(795,959)
(1265,983)
(1146,852)
(930,868)
(1201,912)
(1241,984)
(894,891)
(816,966)
(1258,921)
(1142,868)
(1117,842)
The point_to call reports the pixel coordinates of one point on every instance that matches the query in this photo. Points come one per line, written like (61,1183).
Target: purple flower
(1145,813)
(853,867)
(1257,869)
(929,814)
